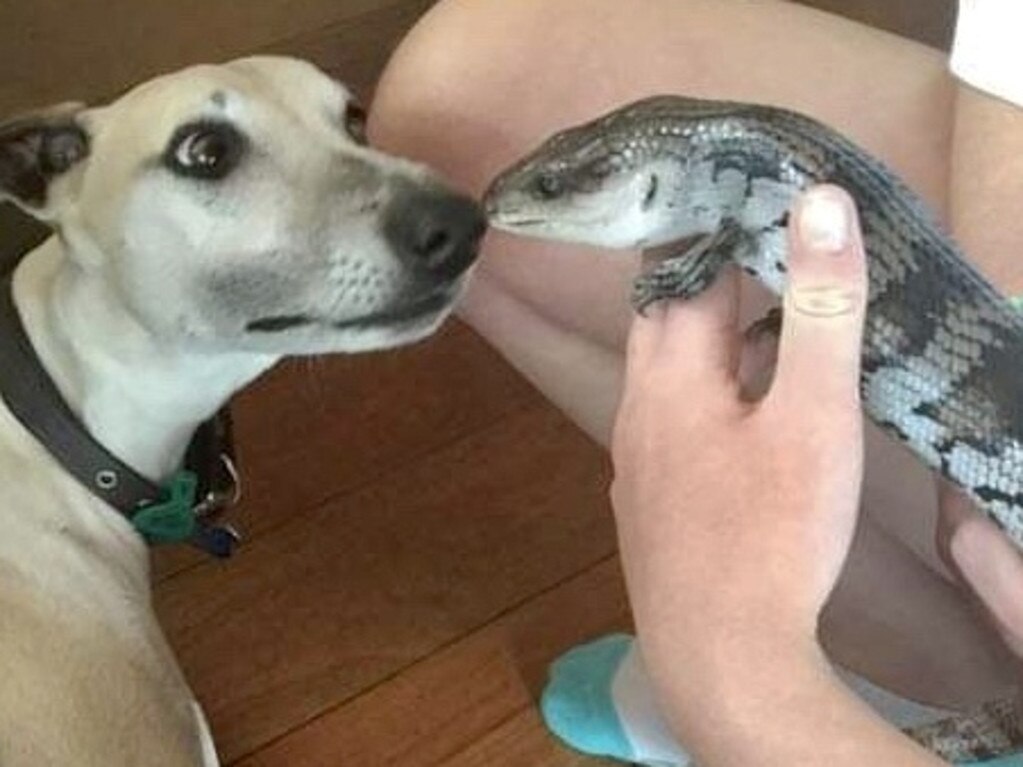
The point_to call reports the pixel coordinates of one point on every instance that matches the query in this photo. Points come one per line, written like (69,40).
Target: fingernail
(824,220)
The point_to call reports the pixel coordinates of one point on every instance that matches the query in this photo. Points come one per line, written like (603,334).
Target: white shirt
(988,48)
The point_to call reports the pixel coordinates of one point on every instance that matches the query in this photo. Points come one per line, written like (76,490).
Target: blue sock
(598,702)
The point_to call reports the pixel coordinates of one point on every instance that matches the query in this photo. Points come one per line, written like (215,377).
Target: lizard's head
(618,181)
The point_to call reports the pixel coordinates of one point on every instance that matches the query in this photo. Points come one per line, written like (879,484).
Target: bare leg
(479,82)
(987,184)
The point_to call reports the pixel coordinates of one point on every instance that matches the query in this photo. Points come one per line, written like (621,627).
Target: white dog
(207,223)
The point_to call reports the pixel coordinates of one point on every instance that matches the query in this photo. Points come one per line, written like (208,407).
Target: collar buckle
(180,517)
(226,493)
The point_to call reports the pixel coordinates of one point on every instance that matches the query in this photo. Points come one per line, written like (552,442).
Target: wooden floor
(424,532)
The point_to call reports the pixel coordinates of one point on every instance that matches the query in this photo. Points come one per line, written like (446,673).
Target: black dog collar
(183,510)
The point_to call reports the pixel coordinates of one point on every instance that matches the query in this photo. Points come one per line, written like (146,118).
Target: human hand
(735,517)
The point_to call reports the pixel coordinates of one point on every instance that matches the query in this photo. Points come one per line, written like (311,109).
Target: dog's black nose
(434,231)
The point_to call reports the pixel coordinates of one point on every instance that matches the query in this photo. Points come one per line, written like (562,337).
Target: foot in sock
(599,701)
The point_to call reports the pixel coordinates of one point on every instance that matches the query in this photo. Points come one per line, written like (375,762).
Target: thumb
(824,303)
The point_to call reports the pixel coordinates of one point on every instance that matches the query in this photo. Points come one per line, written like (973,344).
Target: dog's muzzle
(435,233)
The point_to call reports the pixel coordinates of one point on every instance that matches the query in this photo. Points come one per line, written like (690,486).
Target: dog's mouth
(407,312)
(279,324)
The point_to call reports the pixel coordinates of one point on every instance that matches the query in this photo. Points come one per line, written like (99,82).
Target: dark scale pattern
(942,350)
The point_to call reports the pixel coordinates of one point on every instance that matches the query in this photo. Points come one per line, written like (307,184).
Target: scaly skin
(943,350)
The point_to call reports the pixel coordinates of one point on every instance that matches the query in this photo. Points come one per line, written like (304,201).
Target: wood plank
(464,694)
(318,428)
(65,50)
(356,51)
(521,742)
(380,578)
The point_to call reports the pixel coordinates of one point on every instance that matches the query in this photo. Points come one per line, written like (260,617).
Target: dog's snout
(435,231)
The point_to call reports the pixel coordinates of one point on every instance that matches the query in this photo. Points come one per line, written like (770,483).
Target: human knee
(423,106)
(453,60)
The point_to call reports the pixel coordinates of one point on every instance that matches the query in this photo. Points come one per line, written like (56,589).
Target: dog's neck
(138,398)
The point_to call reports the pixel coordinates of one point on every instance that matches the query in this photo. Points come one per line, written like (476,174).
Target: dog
(206,223)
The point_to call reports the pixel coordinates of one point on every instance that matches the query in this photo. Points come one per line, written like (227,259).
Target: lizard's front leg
(691,271)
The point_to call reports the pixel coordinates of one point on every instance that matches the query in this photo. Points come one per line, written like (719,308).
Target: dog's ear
(38,148)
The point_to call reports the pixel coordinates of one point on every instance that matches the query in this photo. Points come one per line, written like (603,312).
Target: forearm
(789,710)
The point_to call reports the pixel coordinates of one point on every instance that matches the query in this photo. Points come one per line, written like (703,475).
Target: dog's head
(238,207)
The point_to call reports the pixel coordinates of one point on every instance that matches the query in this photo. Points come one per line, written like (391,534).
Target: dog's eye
(205,150)
(355,122)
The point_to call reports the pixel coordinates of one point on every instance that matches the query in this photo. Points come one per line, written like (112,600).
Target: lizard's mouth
(513,222)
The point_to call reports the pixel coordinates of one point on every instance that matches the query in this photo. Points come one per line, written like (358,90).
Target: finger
(954,509)
(681,351)
(645,336)
(992,567)
(984,560)
(701,333)
(824,303)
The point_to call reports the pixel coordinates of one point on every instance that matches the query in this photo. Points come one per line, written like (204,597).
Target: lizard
(713,181)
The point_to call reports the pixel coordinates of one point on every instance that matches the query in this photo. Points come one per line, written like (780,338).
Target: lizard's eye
(549,186)
(601,169)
